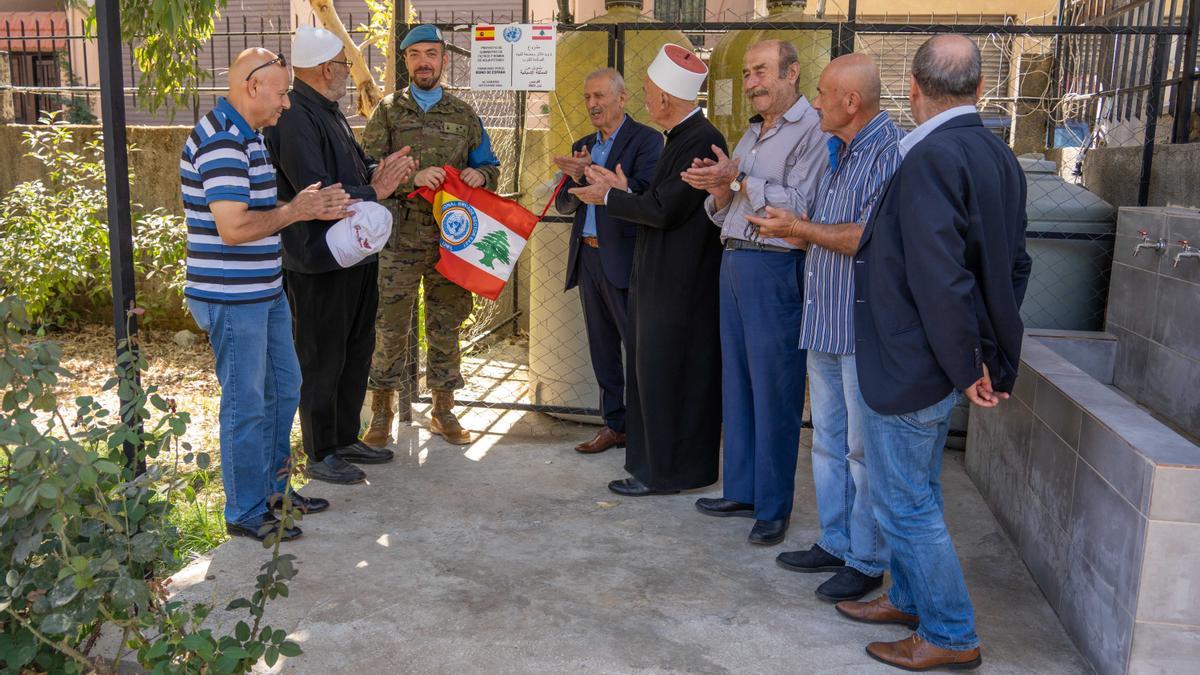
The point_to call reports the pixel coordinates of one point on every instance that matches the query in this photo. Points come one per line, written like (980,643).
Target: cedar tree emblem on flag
(482,234)
(494,246)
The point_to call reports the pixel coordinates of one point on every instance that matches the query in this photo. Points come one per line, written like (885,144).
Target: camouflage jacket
(445,135)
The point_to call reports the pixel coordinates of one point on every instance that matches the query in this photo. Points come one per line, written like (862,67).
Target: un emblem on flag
(512,34)
(459,225)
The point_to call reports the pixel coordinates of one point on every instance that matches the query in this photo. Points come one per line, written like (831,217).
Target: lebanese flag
(482,234)
(543,32)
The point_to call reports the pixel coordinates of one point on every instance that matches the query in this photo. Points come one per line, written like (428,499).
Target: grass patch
(197,512)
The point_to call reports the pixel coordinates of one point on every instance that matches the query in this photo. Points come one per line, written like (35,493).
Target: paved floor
(511,557)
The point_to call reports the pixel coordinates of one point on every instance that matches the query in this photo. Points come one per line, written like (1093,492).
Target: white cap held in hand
(313,46)
(353,238)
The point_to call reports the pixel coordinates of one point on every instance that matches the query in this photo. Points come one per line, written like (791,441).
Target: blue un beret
(421,33)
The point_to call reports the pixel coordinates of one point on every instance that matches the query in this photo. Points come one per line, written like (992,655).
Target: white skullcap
(313,46)
(353,238)
(678,72)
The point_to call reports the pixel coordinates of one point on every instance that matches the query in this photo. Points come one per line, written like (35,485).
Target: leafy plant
(83,530)
(167,37)
(56,234)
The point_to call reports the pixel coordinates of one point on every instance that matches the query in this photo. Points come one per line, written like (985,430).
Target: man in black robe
(673,381)
(333,306)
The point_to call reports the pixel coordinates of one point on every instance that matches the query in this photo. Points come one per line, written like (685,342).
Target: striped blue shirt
(224,159)
(845,194)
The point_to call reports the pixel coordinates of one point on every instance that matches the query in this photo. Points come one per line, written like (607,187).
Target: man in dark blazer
(601,248)
(939,277)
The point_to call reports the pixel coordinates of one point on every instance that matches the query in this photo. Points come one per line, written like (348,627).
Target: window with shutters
(678,11)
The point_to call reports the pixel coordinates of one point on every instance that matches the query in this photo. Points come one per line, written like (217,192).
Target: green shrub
(55,231)
(83,535)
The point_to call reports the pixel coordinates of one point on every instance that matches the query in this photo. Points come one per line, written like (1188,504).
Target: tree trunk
(368,92)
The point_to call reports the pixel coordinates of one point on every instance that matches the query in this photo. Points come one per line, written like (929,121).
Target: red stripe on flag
(469,276)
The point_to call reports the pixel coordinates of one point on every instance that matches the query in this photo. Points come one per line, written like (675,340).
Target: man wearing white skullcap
(331,268)
(673,383)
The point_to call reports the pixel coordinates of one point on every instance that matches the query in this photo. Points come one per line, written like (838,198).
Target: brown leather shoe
(604,439)
(879,610)
(913,653)
(443,422)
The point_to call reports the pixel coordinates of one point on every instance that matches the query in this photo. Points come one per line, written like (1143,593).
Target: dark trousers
(762,377)
(334,328)
(605,315)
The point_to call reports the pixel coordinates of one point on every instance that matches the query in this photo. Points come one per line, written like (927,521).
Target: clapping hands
(600,181)
(575,165)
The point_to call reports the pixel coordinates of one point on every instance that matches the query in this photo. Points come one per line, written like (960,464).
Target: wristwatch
(736,185)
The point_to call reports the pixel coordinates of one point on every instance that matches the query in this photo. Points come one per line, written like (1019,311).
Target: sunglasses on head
(278,59)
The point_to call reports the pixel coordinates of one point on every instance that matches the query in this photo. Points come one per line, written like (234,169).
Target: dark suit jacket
(941,271)
(636,148)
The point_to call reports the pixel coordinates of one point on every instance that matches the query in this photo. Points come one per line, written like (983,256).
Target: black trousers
(605,317)
(333,322)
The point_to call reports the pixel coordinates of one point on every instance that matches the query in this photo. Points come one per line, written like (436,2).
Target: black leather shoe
(815,559)
(259,528)
(334,469)
(632,487)
(768,532)
(361,453)
(724,508)
(848,584)
(306,505)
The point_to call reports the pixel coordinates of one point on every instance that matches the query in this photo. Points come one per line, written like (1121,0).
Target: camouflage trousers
(406,262)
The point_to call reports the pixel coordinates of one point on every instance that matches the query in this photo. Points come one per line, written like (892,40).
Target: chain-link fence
(1100,75)
(1029,101)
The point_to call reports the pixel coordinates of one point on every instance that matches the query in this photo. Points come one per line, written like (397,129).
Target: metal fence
(1105,73)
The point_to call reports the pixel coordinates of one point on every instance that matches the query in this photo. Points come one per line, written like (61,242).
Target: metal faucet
(1156,246)
(1188,251)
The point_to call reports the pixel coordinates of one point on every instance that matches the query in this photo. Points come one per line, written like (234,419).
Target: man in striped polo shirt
(863,154)
(234,285)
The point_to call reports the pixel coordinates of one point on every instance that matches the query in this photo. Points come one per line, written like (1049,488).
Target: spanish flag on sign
(485,33)
(482,234)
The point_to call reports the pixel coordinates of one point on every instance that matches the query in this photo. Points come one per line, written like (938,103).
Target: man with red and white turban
(673,381)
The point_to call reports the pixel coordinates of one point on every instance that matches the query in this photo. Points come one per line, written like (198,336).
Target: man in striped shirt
(234,285)
(863,154)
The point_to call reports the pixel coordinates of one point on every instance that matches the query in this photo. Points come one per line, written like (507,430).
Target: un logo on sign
(459,225)
(512,34)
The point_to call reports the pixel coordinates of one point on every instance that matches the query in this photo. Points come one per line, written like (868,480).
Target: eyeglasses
(278,59)
(348,64)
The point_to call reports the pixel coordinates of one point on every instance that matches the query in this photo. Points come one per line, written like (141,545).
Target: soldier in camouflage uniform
(442,131)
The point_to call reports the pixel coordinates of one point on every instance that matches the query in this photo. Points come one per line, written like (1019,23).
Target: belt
(405,213)
(591,241)
(732,244)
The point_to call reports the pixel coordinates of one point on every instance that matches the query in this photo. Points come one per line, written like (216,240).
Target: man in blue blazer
(601,248)
(939,277)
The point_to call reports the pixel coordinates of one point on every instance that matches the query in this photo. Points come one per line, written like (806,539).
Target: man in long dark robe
(673,381)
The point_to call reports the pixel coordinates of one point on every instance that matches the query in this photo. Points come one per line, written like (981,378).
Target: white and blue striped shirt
(224,159)
(853,180)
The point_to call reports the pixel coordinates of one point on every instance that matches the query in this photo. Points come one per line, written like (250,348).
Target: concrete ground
(510,556)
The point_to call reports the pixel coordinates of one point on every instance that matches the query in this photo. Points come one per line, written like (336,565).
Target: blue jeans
(260,389)
(848,528)
(904,462)
(762,377)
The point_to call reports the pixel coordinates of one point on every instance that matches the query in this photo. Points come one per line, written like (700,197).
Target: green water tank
(581,52)
(728,108)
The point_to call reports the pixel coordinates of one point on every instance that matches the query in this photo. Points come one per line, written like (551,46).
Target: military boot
(379,433)
(444,422)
